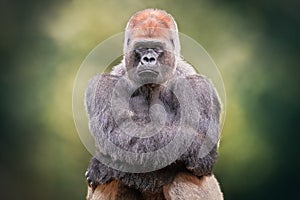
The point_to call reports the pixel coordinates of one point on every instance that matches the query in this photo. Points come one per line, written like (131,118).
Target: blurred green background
(255,45)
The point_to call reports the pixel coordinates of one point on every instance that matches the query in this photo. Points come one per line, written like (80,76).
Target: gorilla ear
(128,41)
(172,41)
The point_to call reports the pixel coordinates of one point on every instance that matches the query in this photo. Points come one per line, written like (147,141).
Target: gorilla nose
(148,59)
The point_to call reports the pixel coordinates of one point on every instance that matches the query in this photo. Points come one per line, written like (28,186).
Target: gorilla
(124,110)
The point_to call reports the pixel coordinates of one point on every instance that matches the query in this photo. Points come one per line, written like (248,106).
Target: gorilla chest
(147,103)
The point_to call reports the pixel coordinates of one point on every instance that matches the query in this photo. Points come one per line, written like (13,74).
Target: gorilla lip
(148,73)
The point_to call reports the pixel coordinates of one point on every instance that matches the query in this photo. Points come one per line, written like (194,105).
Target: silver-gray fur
(102,124)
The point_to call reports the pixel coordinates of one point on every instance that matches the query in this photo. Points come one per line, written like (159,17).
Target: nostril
(152,59)
(146,59)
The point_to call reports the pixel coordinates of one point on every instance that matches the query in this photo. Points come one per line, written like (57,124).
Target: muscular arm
(97,102)
(202,154)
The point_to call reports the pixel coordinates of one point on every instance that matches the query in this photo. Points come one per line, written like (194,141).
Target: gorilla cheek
(130,61)
(168,66)
(131,66)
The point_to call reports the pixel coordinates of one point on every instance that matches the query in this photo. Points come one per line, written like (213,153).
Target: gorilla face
(150,61)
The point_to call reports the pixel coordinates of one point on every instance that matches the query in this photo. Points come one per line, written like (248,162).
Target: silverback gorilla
(151,76)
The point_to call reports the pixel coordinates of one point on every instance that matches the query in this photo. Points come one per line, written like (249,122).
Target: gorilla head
(151,47)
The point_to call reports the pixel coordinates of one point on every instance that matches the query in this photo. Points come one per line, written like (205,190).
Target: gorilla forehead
(149,36)
(151,32)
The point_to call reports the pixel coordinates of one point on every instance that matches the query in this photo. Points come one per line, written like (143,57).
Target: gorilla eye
(158,50)
(140,50)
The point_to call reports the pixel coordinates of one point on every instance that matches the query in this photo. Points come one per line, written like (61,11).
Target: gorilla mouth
(148,73)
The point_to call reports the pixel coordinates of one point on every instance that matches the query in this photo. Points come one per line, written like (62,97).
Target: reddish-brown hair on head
(152,18)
